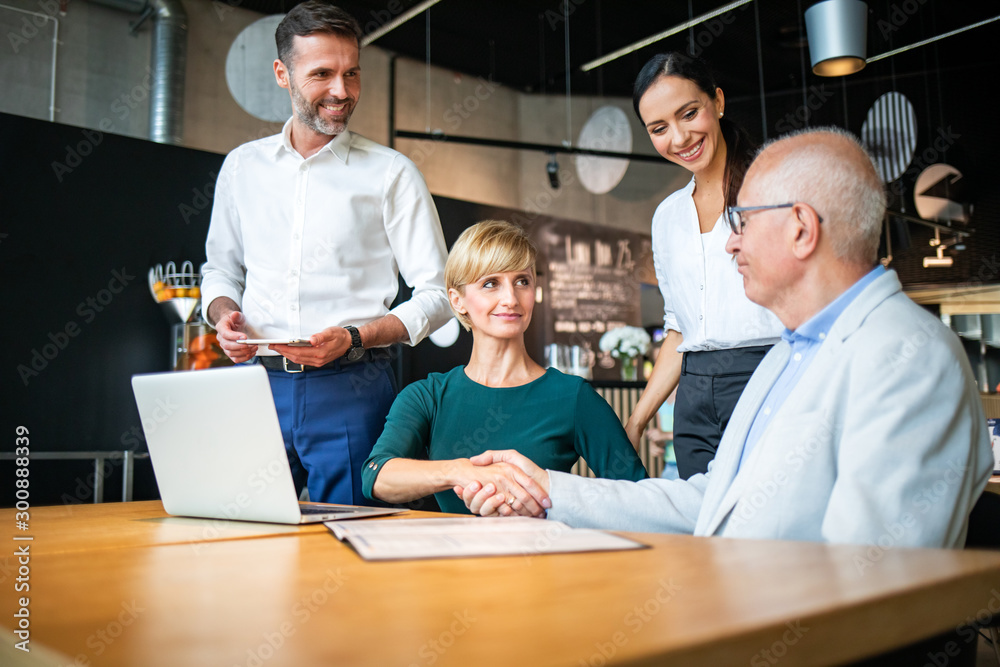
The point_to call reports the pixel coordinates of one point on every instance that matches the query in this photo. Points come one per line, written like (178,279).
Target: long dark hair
(740,147)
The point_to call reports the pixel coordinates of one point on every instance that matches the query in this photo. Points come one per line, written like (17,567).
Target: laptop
(217,450)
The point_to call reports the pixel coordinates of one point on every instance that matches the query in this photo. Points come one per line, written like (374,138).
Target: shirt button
(701,317)
(295,236)
(701,287)
(797,357)
(293,307)
(767,411)
(822,336)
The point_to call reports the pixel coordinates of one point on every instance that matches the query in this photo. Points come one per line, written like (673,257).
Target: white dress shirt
(306,244)
(702,291)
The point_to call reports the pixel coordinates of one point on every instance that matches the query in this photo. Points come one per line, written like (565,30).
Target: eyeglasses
(737,221)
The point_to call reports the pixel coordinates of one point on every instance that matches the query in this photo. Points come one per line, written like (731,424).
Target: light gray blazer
(882,441)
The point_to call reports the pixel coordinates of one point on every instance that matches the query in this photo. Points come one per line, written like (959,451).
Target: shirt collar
(340,145)
(818,326)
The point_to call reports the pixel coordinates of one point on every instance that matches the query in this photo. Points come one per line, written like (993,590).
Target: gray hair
(851,200)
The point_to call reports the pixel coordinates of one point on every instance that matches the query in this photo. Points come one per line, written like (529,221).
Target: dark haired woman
(715,335)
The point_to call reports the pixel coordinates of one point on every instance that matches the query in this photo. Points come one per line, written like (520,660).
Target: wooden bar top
(310,600)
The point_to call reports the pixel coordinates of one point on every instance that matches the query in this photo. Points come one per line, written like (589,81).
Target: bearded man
(310,230)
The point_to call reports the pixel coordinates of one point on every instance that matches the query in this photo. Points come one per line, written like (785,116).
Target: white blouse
(702,290)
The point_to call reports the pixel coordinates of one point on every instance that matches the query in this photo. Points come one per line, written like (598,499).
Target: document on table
(460,538)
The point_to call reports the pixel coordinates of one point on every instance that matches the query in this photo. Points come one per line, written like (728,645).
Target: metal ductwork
(168,63)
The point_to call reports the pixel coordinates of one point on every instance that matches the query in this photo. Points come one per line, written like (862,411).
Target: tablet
(295,342)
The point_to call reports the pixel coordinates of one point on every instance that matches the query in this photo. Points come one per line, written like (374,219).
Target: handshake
(509,484)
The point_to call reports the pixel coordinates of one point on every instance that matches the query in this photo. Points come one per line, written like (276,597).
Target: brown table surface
(311,600)
(69,528)
(993,484)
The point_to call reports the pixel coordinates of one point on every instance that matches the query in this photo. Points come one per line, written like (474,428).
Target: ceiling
(521,43)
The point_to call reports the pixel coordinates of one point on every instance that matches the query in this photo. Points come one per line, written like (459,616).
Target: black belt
(719,363)
(279,363)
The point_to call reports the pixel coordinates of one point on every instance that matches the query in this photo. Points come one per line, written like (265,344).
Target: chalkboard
(591,283)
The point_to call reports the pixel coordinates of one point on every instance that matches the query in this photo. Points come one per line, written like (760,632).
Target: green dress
(553,421)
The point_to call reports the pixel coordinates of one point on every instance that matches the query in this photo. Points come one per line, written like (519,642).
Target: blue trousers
(330,420)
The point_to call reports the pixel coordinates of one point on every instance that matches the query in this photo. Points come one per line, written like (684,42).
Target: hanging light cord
(569,111)
(427,74)
(760,71)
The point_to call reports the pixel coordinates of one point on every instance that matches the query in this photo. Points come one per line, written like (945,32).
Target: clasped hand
(519,488)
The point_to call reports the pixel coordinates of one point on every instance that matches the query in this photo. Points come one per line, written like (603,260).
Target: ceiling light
(398,21)
(931,40)
(937,262)
(652,39)
(838,32)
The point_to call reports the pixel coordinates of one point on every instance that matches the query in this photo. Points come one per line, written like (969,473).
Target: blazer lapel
(726,489)
(725,482)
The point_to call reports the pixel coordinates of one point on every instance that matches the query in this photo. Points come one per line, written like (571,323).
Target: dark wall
(85,215)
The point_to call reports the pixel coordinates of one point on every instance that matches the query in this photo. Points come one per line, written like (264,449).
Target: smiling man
(310,231)
(863,425)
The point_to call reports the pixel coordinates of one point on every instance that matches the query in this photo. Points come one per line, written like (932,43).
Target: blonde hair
(490,246)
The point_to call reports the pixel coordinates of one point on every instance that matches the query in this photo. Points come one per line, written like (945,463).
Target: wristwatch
(357,350)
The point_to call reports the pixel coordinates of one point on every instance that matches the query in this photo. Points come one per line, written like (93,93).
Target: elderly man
(310,231)
(862,426)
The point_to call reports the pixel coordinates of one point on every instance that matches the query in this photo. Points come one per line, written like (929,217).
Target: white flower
(625,342)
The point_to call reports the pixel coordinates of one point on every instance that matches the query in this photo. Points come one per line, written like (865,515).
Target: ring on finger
(510,501)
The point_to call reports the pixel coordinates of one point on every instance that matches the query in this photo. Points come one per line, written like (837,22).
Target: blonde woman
(501,399)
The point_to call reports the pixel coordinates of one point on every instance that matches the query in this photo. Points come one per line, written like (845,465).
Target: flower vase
(630,369)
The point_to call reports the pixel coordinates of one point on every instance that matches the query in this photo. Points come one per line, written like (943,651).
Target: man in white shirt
(310,230)
(862,425)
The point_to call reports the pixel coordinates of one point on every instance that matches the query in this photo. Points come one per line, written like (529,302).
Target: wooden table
(90,527)
(993,484)
(299,597)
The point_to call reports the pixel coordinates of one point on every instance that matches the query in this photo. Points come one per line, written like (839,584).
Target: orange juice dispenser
(194,345)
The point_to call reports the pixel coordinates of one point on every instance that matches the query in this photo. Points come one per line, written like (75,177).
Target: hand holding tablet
(295,342)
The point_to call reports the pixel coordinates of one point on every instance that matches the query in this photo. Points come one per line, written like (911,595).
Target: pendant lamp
(838,34)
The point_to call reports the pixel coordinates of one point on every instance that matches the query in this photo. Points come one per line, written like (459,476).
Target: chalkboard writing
(591,283)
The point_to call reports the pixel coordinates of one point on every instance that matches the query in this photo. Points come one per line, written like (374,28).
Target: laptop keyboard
(320,509)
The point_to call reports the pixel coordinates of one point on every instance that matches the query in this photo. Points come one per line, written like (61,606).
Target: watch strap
(357,347)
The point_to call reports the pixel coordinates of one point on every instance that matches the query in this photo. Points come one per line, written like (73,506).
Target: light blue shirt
(804,343)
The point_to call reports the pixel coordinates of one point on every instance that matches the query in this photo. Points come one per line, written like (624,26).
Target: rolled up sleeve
(414,231)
